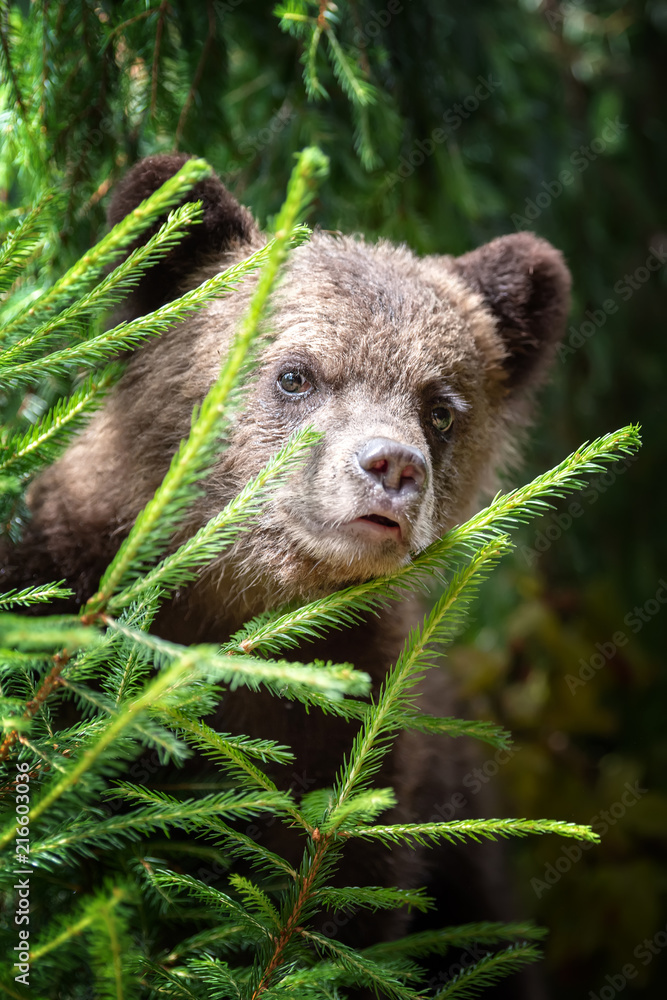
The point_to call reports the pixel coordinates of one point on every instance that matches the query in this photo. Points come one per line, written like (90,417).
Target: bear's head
(418,373)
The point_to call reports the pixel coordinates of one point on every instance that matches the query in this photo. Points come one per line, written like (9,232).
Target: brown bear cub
(419,374)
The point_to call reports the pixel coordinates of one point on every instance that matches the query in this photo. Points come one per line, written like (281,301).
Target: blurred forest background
(447,123)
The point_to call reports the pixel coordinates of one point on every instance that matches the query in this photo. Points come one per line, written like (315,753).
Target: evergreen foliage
(131,691)
(85,89)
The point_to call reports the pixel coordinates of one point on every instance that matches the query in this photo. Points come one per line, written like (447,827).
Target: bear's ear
(225,225)
(526,285)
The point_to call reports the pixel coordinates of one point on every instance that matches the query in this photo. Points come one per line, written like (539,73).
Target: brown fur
(383,337)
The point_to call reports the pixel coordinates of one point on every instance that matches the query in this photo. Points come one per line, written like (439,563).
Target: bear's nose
(396,467)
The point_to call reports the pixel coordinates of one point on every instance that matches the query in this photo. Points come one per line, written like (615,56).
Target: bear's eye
(442,418)
(294,383)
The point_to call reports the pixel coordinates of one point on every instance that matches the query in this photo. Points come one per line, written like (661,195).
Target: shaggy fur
(382,346)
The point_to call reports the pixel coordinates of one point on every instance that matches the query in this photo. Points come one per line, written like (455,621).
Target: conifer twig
(111,289)
(192,458)
(162,683)
(286,629)
(40,594)
(24,453)
(384,716)
(96,349)
(93,263)
(221,530)
(472,981)
(456,831)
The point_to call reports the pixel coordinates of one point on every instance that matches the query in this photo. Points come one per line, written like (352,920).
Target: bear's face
(403,377)
(417,372)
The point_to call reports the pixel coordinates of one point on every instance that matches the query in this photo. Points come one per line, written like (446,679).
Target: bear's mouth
(376,528)
(371,531)
(379,519)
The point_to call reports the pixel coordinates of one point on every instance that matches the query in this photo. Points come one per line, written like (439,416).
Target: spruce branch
(363,139)
(230,750)
(221,530)
(373,897)
(364,807)
(23,454)
(177,884)
(155,811)
(472,981)
(233,755)
(175,673)
(285,629)
(10,707)
(23,117)
(45,633)
(111,948)
(67,928)
(38,635)
(151,733)
(256,900)
(97,349)
(359,91)
(221,981)
(175,987)
(356,967)
(124,665)
(316,982)
(127,666)
(34,595)
(93,263)
(438,942)
(317,863)
(314,87)
(385,717)
(371,743)
(154,525)
(509,510)
(99,928)
(349,67)
(280,676)
(19,245)
(487,732)
(315,805)
(111,290)
(234,841)
(456,831)
(216,938)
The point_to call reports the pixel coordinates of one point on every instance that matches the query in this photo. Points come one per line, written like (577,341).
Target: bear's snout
(397,468)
